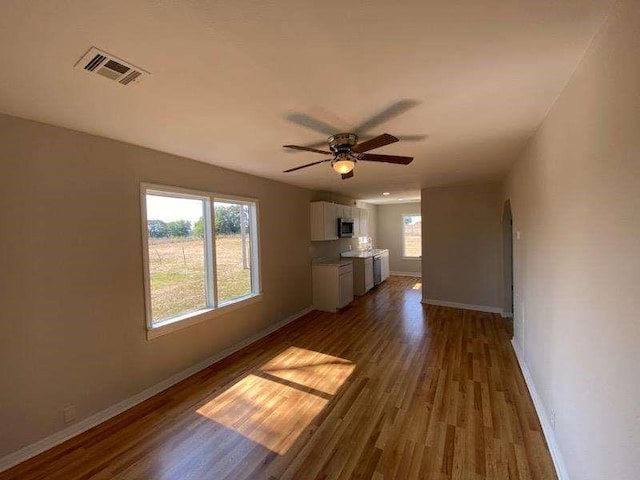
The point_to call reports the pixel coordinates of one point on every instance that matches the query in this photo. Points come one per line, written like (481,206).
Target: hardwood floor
(388,388)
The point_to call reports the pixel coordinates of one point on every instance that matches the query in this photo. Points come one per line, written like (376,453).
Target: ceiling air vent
(102,63)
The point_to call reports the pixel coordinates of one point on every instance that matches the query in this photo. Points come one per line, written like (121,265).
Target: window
(200,255)
(412,236)
(178,257)
(233,222)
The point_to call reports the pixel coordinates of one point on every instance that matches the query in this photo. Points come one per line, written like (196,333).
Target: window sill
(192,318)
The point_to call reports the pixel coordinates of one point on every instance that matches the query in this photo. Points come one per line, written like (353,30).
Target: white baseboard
(406,274)
(464,306)
(558,462)
(110,412)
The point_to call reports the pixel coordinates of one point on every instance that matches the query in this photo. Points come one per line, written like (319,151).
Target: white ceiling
(227,77)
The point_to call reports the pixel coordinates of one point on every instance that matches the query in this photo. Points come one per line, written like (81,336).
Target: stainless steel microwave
(345,227)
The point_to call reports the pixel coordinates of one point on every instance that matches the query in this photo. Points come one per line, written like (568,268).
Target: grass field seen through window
(412,246)
(177,273)
(413,239)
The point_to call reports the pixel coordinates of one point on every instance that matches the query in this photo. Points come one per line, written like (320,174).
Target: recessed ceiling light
(401,199)
(385,193)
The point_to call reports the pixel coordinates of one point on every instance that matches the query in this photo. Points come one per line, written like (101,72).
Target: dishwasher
(377,269)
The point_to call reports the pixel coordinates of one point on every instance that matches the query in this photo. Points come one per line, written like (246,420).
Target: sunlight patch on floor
(274,405)
(417,286)
(315,370)
(264,411)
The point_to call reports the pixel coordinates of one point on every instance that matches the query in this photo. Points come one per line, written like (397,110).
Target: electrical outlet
(552,419)
(69,413)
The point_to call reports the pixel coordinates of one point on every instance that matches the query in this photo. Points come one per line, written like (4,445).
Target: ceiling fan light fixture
(343,164)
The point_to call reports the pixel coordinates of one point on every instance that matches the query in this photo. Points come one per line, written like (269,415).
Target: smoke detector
(110,67)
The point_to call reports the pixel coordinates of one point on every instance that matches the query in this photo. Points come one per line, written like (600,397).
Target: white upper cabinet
(349,212)
(344,211)
(324,221)
(355,214)
(364,223)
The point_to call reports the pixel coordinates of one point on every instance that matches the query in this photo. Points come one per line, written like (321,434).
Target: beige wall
(390,235)
(72,296)
(462,245)
(575,196)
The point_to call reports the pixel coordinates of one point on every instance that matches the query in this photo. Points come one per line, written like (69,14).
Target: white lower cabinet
(384,266)
(332,286)
(346,287)
(362,275)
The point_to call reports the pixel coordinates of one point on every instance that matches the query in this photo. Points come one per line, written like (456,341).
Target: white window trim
(219,308)
(405,257)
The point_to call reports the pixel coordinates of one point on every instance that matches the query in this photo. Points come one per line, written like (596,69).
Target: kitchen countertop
(363,254)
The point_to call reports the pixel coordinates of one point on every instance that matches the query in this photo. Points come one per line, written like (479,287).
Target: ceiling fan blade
(321,143)
(307,165)
(312,123)
(373,157)
(308,149)
(411,138)
(385,115)
(376,142)
(402,138)
(347,175)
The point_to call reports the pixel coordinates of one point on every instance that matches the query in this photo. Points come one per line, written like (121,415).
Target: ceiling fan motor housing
(342,142)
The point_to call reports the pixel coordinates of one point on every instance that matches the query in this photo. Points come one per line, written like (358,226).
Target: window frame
(214,308)
(404,253)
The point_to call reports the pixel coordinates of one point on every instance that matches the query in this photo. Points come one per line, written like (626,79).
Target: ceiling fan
(363,128)
(346,151)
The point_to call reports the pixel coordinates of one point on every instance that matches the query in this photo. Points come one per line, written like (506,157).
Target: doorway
(507,260)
